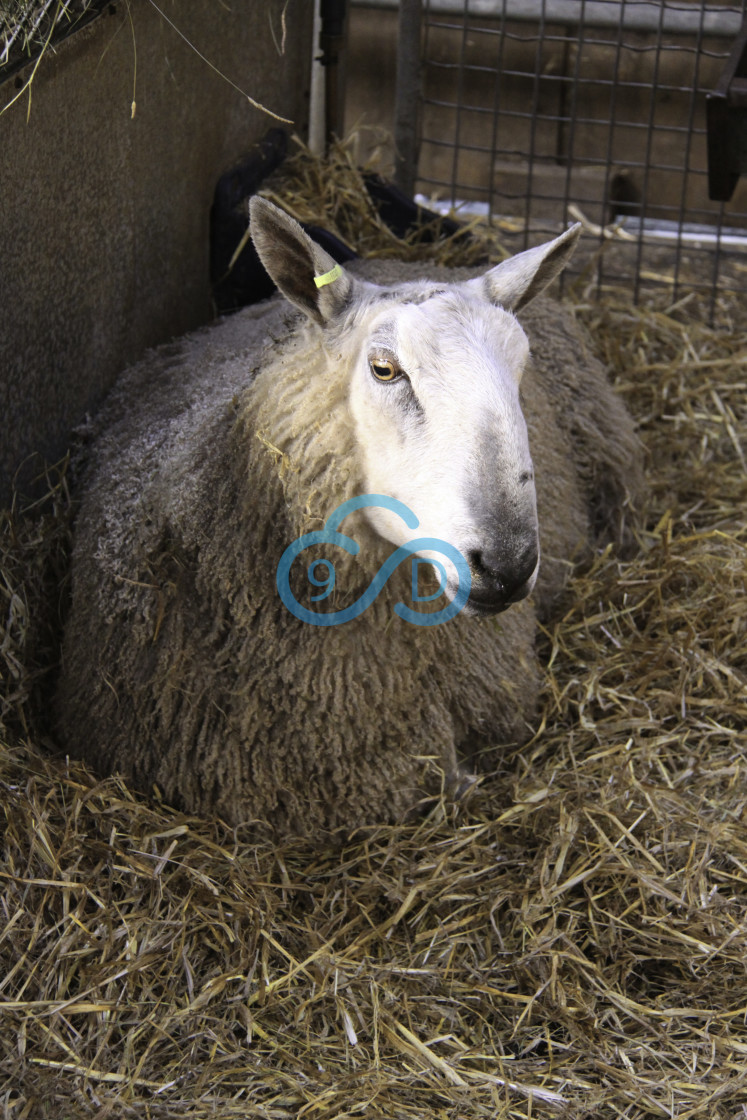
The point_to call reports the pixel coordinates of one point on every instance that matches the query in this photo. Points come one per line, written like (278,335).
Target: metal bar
(332,44)
(647,158)
(459,102)
(497,110)
(407,96)
(644,16)
(686,161)
(533,125)
(607,214)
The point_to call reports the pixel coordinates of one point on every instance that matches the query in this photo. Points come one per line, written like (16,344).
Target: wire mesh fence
(545,111)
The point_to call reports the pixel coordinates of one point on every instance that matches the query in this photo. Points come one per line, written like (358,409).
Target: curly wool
(183,670)
(182,667)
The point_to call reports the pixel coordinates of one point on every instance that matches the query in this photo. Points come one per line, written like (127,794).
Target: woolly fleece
(181,666)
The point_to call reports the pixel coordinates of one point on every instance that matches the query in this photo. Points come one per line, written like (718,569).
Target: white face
(435,400)
(434,396)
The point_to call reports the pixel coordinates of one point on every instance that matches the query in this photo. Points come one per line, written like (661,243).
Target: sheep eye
(384,370)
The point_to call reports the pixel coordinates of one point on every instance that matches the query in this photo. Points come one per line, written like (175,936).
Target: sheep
(182,666)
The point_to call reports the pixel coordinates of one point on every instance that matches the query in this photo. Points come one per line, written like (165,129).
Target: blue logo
(321,573)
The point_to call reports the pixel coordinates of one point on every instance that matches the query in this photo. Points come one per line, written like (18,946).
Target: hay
(28,27)
(307,187)
(569,943)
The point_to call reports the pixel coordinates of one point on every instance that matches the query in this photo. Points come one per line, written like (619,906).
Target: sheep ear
(296,263)
(516,281)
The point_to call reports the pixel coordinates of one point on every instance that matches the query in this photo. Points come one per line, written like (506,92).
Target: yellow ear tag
(328,277)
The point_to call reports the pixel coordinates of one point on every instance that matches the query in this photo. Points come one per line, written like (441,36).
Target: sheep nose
(500,577)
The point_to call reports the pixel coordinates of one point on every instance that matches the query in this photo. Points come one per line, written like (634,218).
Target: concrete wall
(104,217)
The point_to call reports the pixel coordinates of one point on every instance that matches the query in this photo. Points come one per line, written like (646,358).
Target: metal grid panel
(545,109)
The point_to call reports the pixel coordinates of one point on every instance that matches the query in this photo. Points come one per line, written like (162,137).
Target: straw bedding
(570,942)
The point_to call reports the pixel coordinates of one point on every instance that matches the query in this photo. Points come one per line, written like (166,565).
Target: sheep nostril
(505,575)
(481,566)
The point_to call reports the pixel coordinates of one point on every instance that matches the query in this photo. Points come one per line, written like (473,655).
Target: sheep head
(434,373)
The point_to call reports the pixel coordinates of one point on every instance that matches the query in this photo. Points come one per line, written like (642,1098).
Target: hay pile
(335,187)
(570,943)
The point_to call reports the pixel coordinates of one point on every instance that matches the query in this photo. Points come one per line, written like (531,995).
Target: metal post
(407,101)
(332,43)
